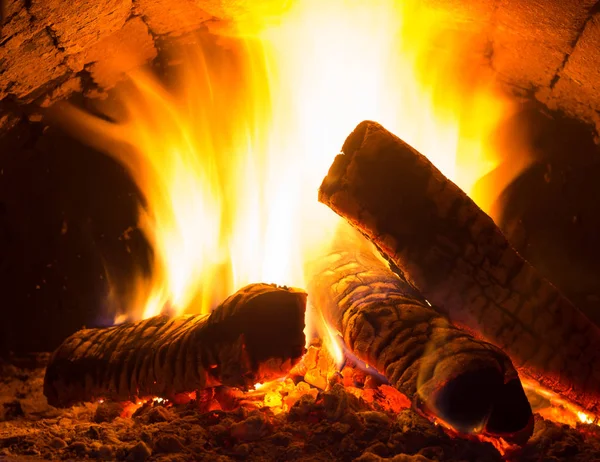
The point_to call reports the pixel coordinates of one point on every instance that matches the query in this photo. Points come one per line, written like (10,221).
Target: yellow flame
(230,158)
(584,418)
(560,409)
(331,341)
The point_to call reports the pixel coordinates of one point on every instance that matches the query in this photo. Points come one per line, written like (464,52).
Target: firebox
(300,230)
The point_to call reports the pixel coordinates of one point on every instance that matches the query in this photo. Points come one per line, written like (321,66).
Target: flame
(560,410)
(331,342)
(585,418)
(229,158)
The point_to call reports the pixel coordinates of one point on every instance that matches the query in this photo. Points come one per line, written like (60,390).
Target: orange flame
(230,160)
(560,410)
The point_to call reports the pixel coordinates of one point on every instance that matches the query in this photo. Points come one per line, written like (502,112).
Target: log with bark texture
(449,375)
(454,254)
(254,336)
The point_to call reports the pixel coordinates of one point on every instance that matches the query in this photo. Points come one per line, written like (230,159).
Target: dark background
(64,209)
(67,213)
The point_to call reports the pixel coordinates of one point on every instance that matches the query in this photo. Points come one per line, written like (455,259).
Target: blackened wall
(64,209)
(551,213)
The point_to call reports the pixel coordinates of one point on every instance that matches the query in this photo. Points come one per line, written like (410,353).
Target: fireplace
(192,272)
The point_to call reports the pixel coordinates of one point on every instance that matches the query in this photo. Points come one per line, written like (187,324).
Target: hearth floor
(335,426)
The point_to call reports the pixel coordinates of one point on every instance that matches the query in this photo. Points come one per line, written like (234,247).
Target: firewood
(449,375)
(455,255)
(254,336)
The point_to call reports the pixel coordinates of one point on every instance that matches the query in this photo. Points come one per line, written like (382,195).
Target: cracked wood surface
(452,252)
(546,48)
(385,322)
(256,335)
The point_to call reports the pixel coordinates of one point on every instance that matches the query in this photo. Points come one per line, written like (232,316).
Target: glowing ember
(279,395)
(501,445)
(130,408)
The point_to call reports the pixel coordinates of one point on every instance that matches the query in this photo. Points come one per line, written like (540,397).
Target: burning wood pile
(456,256)
(255,336)
(411,330)
(440,328)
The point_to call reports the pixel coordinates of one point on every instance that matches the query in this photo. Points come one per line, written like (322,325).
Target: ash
(338,424)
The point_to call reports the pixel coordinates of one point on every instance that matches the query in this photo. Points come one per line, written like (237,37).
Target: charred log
(454,254)
(254,336)
(448,374)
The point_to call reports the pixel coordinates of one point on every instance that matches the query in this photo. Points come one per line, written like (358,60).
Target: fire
(230,154)
(229,158)
(332,341)
(559,409)
(584,418)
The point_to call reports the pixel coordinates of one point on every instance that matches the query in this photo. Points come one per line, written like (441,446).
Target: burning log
(449,375)
(454,254)
(254,336)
